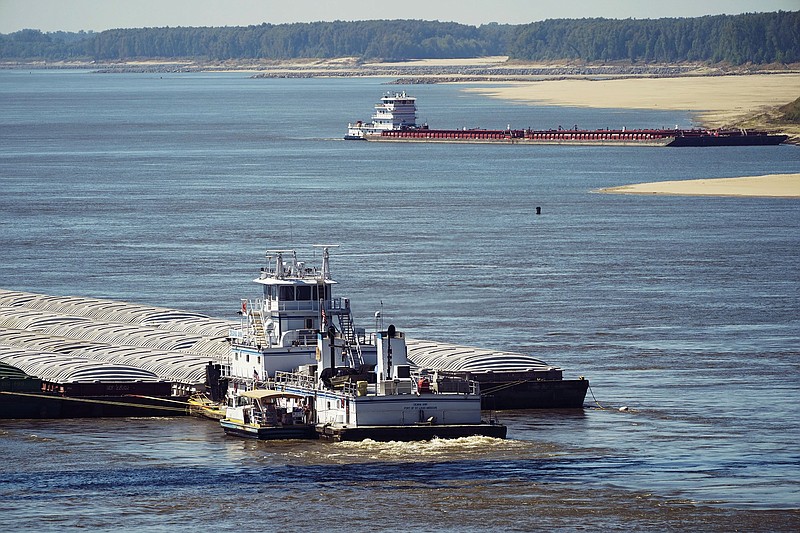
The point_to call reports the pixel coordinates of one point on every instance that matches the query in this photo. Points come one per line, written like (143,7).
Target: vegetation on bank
(759,38)
(784,119)
(791,112)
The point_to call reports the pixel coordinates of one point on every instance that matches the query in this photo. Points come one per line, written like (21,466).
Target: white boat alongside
(269,415)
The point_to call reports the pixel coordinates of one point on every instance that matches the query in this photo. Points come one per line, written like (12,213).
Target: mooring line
(88,400)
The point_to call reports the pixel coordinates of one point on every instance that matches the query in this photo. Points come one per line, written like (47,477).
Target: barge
(508,380)
(394,120)
(26,396)
(75,357)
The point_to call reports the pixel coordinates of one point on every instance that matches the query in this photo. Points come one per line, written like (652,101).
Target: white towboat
(278,333)
(389,402)
(299,344)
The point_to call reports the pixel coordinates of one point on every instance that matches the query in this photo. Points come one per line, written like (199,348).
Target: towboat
(278,333)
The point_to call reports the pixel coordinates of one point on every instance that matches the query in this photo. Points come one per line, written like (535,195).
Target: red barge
(395,120)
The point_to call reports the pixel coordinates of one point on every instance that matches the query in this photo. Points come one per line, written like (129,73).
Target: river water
(166,190)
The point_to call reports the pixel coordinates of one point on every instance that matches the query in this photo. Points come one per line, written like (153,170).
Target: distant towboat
(395,120)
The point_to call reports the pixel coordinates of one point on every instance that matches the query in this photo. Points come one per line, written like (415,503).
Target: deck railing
(442,386)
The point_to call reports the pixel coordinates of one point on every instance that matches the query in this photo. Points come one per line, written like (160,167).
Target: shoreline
(730,101)
(715,97)
(768,186)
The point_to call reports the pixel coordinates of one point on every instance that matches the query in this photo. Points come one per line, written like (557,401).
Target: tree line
(760,38)
(755,38)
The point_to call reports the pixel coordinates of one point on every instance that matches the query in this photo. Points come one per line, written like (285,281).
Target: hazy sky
(97,15)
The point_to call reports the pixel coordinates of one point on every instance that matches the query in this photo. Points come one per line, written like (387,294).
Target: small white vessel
(269,415)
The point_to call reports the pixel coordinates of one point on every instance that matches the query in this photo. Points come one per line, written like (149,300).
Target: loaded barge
(74,357)
(69,356)
(26,396)
(395,120)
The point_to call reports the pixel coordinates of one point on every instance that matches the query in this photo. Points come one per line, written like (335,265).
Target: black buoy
(538,210)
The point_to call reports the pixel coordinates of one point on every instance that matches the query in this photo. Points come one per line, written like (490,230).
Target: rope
(156,398)
(515,383)
(595,399)
(104,402)
(504,386)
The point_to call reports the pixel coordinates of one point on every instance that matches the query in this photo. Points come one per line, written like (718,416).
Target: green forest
(759,38)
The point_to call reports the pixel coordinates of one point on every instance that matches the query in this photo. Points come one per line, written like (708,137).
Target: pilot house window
(287,294)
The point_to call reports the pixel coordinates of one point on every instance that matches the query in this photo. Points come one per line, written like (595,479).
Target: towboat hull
(338,433)
(289,432)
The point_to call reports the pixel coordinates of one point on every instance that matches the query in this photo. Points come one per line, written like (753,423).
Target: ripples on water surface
(166,190)
(161,474)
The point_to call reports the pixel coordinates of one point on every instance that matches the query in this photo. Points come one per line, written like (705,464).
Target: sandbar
(716,100)
(492,61)
(773,186)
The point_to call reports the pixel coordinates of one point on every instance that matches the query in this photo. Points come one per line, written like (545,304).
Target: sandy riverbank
(774,185)
(716,100)
(716,96)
